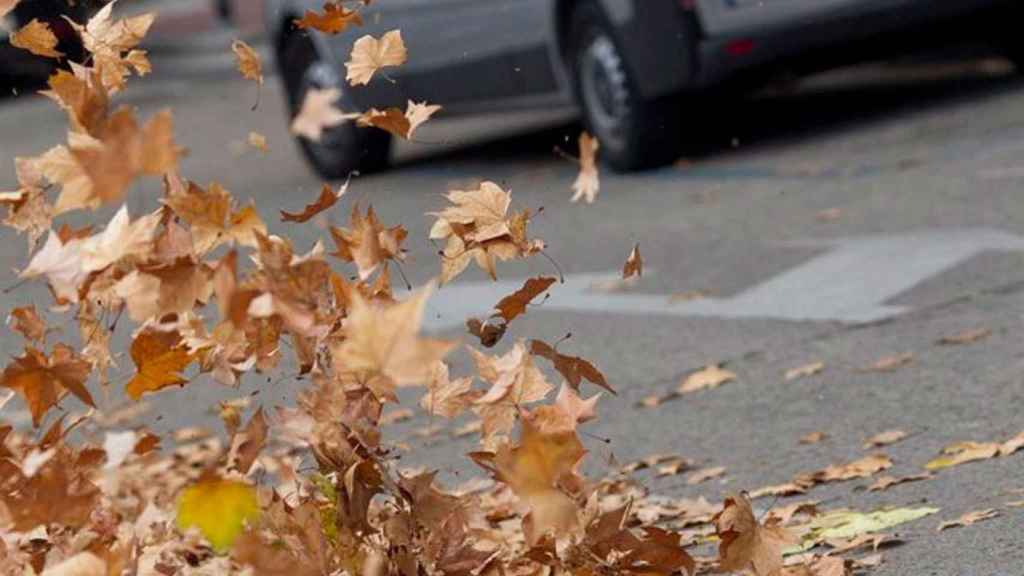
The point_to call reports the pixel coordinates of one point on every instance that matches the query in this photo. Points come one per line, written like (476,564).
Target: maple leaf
(709,377)
(335,19)
(82,95)
(57,494)
(37,38)
(381,344)
(587,183)
(61,263)
(514,304)
(107,40)
(211,218)
(634,266)
(573,368)
(28,212)
(219,508)
(122,238)
(159,358)
(534,469)
(43,381)
(28,323)
(969,519)
(328,197)
(746,544)
(515,381)
(804,370)
(395,121)
(368,243)
(489,332)
(249,65)
(884,439)
(370,55)
(445,397)
(318,112)
(566,413)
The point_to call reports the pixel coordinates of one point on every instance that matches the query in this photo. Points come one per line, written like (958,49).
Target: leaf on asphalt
(707,378)
(705,474)
(886,482)
(782,515)
(634,266)
(573,368)
(653,461)
(219,508)
(489,331)
(396,122)
(965,337)
(746,544)
(847,524)
(511,306)
(370,55)
(969,519)
(890,363)
(779,490)
(43,380)
(963,452)
(804,371)
(587,183)
(653,401)
(820,566)
(328,197)
(673,466)
(258,141)
(159,358)
(334,19)
(861,468)
(37,38)
(27,322)
(884,439)
(318,112)
(872,541)
(813,437)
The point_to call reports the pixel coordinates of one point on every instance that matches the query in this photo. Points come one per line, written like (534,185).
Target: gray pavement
(924,176)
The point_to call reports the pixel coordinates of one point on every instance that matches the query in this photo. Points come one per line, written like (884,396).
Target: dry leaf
(861,468)
(813,437)
(573,368)
(568,411)
(395,416)
(965,336)
(674,466)
(395,121)
(111,44)
(328,197)
(963,452)
(704,475)
(6,6)
(37,38)
(778,490)
(803,371)
(885,482)
(515,381)
(884,439)
(249,65)
(318,112)
(711,376)
(258,141)
(335,19)
(783,514)
(370,55)
(445,397)
(587,183)
(634,266)
(159,358)
(969,519)
(890,363)
(511,306)
(26,321)
(489,331)
(367,243)
(747,545)
(44,381)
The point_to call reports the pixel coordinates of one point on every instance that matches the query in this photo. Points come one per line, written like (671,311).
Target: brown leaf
(884,439)
(28,323)
(709,377)
(861,468)
(108,41)
(704,475)
(445,397)
(783,514)
(634,266)
(568,411)
(159,358)
(328,197)
(395,121)
(965,337)
(515,381)
(515,304)
(248,61)
(370,55)
(367,243)
(885,482)
(803,371)
(787,489)
(747,545)
(44,381)
(573,368)
(489,332)
(969,519)
(587,183)
(335,19)
(37,38)
(963,452)
(247,444)
(890,363)
(813,437)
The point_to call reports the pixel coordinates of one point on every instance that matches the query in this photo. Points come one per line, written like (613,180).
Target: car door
(730,17)
(466,52)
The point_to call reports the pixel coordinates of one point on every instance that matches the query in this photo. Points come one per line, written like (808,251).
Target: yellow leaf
(219,508)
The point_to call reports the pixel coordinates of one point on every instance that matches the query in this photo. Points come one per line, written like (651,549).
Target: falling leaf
(634,266)
(890,363)
(318,112)
(395,121)
(249,65)
(43,381)
(803,371)
(704,475)
(813,437)
(587,183)
(709,377)
(328,197)
(489,331)
(6,6)
(335,19)
(445,397)
(515,381)
(219,508)
(963,452)
(26,321)
(573,368)
(111,44)
(965,337)
(367,243)
(969,519)
(370,55)
(159,358)
(28,212)
(258,141)
(885,482)
(37,38)
(747,545)
(568,411)
(212,218)
(514,304)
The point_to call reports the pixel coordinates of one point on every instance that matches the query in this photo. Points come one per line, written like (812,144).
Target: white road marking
(850,282)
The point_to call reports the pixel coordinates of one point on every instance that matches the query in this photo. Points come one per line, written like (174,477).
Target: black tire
(634,133)
(342,149)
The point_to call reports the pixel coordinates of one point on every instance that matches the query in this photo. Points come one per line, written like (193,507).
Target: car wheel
(342,149)
(634,133)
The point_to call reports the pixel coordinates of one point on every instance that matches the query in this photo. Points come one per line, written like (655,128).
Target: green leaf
(841,524)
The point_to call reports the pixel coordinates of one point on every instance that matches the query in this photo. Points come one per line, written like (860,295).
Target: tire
(634,133)
(343,149)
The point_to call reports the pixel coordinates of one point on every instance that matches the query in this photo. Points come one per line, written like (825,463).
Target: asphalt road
(921,175)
